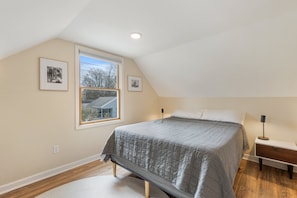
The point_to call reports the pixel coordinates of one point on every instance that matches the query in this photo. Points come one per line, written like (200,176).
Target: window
(98,87)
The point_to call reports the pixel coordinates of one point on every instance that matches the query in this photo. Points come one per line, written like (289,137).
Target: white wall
(32,121)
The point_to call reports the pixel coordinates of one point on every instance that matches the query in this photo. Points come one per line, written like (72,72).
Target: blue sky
(87,63)
(92,61)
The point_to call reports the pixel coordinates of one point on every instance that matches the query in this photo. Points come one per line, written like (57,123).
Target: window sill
(98,124)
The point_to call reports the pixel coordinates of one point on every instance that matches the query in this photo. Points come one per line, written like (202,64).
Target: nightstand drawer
(276,153)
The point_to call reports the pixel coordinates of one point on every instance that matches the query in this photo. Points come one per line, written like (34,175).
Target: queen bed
(185,157)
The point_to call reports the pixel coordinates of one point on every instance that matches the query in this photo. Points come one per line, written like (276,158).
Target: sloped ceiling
(190,48)
(27,23)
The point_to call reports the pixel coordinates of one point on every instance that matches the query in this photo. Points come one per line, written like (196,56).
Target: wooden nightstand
(279,151)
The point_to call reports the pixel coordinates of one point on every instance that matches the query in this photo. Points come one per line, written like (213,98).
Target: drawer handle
(274,148)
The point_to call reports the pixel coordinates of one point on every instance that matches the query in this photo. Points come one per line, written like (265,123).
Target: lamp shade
(263,118)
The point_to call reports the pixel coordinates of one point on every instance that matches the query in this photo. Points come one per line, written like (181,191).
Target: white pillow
(224,115)
(188,114)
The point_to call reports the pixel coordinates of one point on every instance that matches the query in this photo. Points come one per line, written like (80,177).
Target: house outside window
(98,87)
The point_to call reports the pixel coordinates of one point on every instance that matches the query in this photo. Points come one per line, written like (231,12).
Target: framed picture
(134,83)
(53,75)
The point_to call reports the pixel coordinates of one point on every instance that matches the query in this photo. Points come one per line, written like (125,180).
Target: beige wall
(32,121)
(281,122)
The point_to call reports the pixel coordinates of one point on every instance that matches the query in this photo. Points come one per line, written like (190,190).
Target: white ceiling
(190,48)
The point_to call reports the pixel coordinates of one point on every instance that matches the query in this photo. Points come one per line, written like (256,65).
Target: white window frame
(104,56)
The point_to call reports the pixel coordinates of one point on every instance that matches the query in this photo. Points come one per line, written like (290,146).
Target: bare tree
(98,78)
(94,78)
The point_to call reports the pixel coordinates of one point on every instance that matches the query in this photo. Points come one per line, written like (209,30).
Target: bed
(185,157)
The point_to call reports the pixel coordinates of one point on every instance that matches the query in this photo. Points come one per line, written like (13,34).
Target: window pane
(99,104)
(97,73)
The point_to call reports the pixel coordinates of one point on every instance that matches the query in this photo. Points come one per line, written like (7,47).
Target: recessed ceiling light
(135,35)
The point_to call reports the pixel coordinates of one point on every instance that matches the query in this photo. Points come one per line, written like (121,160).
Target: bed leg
(114,169)
(147,188)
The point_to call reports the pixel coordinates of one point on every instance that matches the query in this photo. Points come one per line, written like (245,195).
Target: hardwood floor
(249,181)
(270,182)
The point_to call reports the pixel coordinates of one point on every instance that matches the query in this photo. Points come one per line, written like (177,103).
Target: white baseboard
(267,162)
(45,174)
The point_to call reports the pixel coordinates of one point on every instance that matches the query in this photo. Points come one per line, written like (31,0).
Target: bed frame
(146,183)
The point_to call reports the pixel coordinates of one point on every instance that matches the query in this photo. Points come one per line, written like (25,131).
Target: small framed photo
(134,83)
(53,75)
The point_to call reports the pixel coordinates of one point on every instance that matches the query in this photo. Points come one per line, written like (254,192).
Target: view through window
(99,89)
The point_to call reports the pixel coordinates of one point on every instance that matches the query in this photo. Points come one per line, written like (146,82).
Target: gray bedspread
(185,157)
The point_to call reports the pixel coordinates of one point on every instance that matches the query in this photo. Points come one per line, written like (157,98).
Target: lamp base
(263,138)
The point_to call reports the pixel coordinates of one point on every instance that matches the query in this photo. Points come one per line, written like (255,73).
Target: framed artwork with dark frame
(53,75)
(134,83)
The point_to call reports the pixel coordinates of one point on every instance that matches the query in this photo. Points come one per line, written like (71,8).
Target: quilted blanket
(185,157)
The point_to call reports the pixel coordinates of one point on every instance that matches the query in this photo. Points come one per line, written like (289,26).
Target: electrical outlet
(56,149)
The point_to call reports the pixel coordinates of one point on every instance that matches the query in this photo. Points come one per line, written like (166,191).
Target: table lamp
(263,119)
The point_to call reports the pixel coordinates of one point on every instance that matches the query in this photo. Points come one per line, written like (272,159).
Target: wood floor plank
(249,181)
(270,182)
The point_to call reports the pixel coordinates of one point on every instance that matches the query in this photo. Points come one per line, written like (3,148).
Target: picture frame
(53,75)
(134,83)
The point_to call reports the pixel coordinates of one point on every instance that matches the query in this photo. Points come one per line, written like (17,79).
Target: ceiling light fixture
(135,35)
